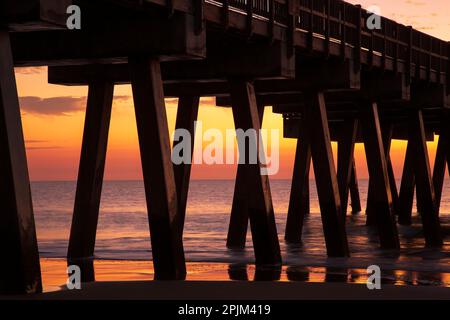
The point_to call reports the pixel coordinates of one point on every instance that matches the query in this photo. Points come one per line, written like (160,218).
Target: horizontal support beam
(400,131)
(334,99)
(325,74)
(34,15)
(238,59)
(384,86)
(261,61)
(429,95)
(111,39)
(272,62)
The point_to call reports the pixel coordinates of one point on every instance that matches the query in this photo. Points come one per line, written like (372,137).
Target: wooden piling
(370,209)
(424,183)
(90,177)
(325,175)
(442,159)
(299,197)
(406,195)
(387,142)
(260,208)
(376,163)
(186,116)
(159,179)
(346,147)
(354,191)
(237,229)
(20,269)
(439,168)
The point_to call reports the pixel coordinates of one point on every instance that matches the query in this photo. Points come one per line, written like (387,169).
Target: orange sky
(53,116)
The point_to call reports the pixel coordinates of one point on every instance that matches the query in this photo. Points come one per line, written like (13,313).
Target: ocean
(123,232)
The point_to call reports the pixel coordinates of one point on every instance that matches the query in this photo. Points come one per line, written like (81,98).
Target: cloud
(65,106)
(35,141)
(208,101)
(39,145)
(30,70)
(204,102)
(44,148)
(416,3)
(56,106)
(171,102)
(122,99)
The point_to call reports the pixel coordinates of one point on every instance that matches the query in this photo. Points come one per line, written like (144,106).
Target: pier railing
(339,21)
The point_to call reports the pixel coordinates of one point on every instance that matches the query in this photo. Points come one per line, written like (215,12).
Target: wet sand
(54,274)
(117,279)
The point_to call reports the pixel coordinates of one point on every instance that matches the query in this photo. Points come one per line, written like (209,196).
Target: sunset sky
(53,116)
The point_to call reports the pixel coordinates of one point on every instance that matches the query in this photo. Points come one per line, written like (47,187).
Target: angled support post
(260,208)
(354,191)
(20,269)
(387,140)
(393,184)
(299,197)
(442,158)
(157,168)
(346,147)
(237,230)
(90,178)
(425,187)
(376,163)
(186,116)
(325,174)
(407,186)
(439,168)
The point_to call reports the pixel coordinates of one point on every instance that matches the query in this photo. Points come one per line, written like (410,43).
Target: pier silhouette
(315,62)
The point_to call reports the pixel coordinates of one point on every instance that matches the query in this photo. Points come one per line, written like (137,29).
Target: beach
(132,280)
(123,250)
(117,279)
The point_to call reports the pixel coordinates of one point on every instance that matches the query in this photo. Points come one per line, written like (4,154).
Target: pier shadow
(268,273)
(240,272)
(333,274)
(300,274)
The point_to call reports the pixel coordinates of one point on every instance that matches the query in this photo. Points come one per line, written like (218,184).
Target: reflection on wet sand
(55,276)
(238,272)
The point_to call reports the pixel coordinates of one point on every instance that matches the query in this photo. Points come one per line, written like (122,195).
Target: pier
(315,62)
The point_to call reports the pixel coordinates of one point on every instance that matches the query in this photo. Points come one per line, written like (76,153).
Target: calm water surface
(123,229)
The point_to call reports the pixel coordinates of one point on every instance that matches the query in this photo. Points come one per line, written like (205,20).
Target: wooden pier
(315,62)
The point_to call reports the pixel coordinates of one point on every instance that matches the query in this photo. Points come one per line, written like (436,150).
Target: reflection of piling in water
(333,274)
(297,274)
(267,273)
(238,272)
(337,81)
